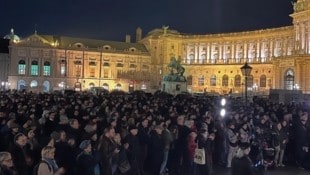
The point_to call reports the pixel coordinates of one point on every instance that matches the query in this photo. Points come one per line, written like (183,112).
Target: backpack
(36,167)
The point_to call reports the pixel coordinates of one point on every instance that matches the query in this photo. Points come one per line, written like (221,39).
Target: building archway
(289,79)
(21,85)
(46,86)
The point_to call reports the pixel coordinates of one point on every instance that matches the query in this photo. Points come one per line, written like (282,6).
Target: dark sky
(113,19)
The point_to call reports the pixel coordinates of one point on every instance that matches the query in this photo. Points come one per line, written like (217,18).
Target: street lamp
(246,71)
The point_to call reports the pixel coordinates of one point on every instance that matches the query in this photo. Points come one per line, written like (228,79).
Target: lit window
(213,80)
(21,67)
(47,69)
(34,68)
(263,81)
(237,81)
(33,83)
(225,80)
(63,65)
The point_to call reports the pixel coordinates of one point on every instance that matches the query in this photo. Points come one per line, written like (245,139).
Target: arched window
(118,86)
(21,67)
(46,86)
(213,80)
(262,81)
(105,86)
(289,79)
(237,81)
(34,68)
(201,80)
(225,80)
(91,85)
(63,66)
(33,83)
(47,68)
(21,85)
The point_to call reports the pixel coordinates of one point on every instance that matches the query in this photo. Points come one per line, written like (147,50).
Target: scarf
(52,163)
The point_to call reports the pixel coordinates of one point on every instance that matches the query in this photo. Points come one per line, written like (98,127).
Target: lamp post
(246,71)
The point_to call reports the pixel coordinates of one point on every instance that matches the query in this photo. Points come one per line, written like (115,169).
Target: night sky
(113,19)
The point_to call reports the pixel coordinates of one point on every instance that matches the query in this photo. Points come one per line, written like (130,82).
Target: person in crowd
(284,139)
(87,162)
(121,159)
(191,146)
(6,164)
(48,165)
(156,155)
(134,150)
(167,139)
(143,135)
(301,139)
(107,149)
(202,144)
(22,155)
(244,133)
(233,142)
(74,130)
(241,163)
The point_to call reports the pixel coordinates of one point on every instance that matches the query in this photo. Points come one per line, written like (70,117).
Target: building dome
(12,36)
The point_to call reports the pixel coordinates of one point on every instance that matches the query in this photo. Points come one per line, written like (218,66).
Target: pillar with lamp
(246,71)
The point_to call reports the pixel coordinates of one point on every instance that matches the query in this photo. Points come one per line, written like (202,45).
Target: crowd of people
(145,134)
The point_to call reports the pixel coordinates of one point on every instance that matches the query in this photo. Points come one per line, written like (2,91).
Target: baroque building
(280,58)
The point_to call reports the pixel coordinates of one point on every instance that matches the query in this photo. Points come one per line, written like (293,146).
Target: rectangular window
(105,73)
(201,80)
(92,71)
(78,70)
(22,69)
(34,70)
(46,70)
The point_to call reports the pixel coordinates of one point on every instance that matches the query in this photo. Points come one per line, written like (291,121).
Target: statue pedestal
(173,87)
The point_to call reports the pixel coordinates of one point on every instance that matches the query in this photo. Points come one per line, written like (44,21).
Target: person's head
(85,145)
(63,136)
(133,130)
(284,123)
(48,152)
(109,132)
(181,120)
(117,138)
(145,122)
(304,117)
(159,129)
(74,123)
(6,159)
(245,125)
(31,134)
(20,139)
(279,126)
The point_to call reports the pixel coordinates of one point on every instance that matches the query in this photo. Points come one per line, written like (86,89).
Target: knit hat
(84,144)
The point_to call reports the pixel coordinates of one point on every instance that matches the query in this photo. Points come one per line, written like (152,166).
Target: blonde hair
(4,155)
(47,150)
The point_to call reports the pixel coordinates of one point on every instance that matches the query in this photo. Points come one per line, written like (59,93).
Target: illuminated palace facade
(280,58)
